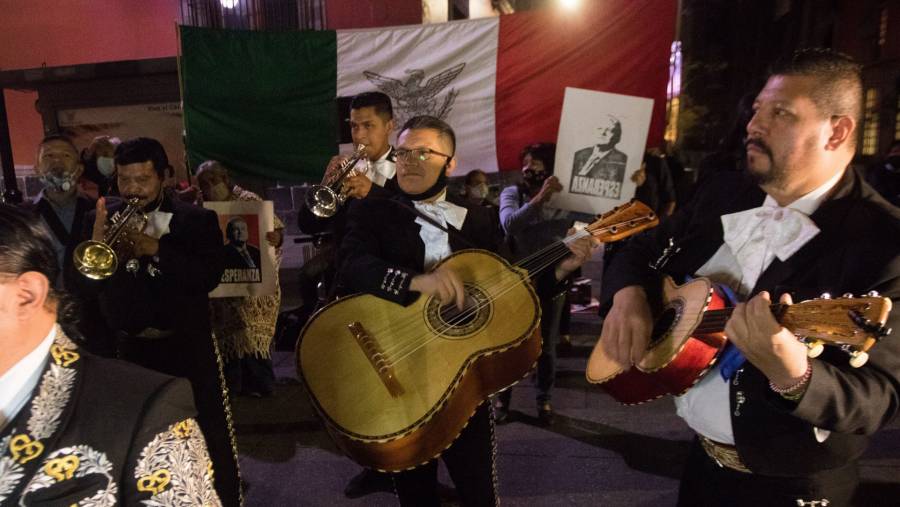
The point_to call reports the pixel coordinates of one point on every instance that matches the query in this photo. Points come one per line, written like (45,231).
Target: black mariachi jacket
(189,264)
(104,432)
(857,250)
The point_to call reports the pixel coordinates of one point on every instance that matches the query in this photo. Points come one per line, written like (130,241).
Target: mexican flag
(266,103)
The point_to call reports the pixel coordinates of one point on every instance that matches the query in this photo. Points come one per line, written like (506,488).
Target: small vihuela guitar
(396,385)
(688,336)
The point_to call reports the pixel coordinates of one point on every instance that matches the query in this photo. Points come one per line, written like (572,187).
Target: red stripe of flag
(616,46)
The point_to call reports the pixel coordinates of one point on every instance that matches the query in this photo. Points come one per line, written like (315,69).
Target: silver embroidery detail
(47,407)
(10,471)
(91,461)
(186,460)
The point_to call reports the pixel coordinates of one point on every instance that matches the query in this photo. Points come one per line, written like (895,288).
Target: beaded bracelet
(790,392)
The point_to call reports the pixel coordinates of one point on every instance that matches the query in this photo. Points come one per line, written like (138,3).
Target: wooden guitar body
(676,358)
(689,335)
(396,385)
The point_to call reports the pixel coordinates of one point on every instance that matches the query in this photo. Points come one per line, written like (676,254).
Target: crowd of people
(125,376)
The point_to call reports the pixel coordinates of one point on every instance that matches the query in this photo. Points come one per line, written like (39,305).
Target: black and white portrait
(599,169)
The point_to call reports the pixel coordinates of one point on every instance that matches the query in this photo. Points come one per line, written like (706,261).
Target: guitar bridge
(375,355)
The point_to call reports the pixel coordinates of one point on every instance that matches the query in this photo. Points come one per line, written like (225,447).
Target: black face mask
(434,190)
(534,179)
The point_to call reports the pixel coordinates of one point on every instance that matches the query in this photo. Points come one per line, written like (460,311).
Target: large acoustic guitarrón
(396,385)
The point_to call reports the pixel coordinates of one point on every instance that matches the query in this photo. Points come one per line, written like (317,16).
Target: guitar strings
(488,284)
(441,333)
(548,256)
(413,346)
(495,290)
(534,263)
(544,258)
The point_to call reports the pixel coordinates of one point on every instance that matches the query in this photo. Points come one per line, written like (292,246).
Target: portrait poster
(601,144)
(249,259)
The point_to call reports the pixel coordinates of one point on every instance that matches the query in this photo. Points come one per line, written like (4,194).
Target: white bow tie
(444,212)
(757,235)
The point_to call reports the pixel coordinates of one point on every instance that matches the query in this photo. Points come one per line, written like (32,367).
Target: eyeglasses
(418,155)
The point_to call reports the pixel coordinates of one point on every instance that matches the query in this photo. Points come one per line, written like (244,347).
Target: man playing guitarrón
(389,250)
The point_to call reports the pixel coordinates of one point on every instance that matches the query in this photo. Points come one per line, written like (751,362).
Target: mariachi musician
(775,427)
(388,250)
(157,300)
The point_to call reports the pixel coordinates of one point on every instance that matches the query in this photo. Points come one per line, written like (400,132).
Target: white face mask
(479,191)
(106,165)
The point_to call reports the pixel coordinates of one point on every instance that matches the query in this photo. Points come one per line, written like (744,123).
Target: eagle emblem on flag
(412,98)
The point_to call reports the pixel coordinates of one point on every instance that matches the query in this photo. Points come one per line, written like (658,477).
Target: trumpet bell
(95,260)
(323,201)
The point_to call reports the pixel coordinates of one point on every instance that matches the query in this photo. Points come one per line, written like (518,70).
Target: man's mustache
(759,144)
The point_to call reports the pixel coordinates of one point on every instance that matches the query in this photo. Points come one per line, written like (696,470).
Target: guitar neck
(549,255)
(713,321)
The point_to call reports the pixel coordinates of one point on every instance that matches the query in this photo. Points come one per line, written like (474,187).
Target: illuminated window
(870,125)
(673,93)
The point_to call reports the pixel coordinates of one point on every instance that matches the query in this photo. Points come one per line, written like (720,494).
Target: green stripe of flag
(263,103)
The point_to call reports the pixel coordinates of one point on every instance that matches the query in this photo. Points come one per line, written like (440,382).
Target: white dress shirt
(17,384)
(437,242)
(383,169)
(706,406)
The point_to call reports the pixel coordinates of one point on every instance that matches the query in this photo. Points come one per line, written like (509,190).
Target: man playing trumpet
(156,301)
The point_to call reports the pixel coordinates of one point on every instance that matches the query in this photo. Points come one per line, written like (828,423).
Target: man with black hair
(371,123)
(76,428)
(59,204)
(774,426)
(391,249)
(157,299)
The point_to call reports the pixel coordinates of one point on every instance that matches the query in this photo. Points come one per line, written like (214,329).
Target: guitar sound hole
(451,313)
(665,322)
(449,322)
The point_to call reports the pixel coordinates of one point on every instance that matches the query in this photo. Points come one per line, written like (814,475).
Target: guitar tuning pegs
(858,358)
(814,348)
(825,295)
(873,294)
(847,295)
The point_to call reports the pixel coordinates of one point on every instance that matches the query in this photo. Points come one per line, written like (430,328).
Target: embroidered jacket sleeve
(859,400)
(169,463)
(369,262)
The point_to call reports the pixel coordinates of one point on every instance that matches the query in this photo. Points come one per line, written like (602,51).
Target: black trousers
(706,484)
(470,462)
(193,357)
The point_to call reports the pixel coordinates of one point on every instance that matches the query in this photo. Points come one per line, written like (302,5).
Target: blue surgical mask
(106,166)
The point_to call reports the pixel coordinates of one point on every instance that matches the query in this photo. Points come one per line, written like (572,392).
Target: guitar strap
(452,231)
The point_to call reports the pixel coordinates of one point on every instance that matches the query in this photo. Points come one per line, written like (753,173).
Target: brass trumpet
(325,199)
(99,260)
